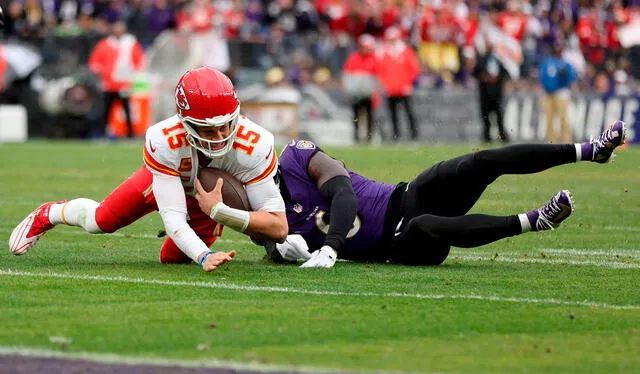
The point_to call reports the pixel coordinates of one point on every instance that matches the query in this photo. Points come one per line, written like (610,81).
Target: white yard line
(622,228)
(633,254)
(238,287)
(132,360)
(594,252)
(556,261)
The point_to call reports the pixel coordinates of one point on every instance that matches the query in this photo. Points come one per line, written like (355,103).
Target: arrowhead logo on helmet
(181,99)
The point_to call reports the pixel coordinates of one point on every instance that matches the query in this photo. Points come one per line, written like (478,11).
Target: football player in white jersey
(207,130)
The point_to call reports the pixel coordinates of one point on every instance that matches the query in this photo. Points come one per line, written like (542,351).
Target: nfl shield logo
(297,208)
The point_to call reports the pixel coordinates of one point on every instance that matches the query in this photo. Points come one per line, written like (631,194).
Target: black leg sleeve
(468,231)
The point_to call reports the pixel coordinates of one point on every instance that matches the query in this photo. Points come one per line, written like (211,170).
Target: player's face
(215,133)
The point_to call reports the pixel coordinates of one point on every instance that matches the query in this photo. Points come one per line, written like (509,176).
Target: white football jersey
(251,159)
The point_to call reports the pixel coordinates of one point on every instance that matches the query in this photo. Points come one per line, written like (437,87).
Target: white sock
(55,213)
(578,152)
(524,222)
(78,212)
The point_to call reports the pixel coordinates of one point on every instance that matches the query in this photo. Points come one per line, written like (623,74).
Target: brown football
(233,193)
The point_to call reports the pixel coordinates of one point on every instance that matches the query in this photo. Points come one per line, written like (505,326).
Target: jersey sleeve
(269,169)
(299,152)
(260,163)
(158,157)
(265,196)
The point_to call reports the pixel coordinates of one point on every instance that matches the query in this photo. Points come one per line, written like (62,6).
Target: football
(233,193)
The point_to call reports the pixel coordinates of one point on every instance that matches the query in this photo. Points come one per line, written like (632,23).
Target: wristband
(233,218)
(204,258)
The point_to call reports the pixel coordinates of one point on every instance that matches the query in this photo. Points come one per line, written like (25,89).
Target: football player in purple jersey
(334,212)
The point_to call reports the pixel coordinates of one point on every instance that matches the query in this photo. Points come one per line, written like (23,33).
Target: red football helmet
(206,97)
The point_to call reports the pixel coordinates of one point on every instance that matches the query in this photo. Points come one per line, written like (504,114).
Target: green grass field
(554,302)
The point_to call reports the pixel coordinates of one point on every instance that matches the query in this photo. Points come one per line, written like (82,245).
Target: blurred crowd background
(300,42)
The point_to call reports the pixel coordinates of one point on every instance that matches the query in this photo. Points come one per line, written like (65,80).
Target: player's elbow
(281,232)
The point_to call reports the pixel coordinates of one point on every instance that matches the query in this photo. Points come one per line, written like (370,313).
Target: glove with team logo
(294,248)
(324,257)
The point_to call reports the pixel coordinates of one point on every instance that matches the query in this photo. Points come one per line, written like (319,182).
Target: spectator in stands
(34,17)
(161,17)
(556,76)
(88,37)
(116,10)
(512,20)
(138,20)
(399,68)
(572,54)
(116,59)
(197,17)
(15,23)
(359,80)
(491,75)
(338,18)
(591,33)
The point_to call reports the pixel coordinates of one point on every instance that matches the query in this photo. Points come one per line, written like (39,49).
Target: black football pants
(435,204)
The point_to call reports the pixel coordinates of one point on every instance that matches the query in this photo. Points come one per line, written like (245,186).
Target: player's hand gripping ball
(233,193)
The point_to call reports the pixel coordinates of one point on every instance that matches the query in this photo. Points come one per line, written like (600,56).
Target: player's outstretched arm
(172,207)
(334,183)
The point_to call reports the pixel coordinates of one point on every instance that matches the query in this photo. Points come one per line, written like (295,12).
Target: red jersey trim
(265,174)
(155,165)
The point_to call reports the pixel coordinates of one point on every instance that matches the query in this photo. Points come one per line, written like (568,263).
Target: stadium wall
(443,116)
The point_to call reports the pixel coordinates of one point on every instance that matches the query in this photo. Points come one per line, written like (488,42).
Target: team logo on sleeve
(305,144)
(298,208)
(181,99)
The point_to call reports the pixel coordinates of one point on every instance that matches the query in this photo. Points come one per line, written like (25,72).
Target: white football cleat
(31,229)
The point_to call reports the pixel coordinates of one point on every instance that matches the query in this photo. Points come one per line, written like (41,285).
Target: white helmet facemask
(210,148)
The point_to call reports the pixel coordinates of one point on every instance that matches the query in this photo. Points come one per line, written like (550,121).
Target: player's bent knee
(418,248)
(437,255)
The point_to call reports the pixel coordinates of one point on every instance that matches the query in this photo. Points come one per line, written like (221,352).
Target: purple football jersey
(308,212)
